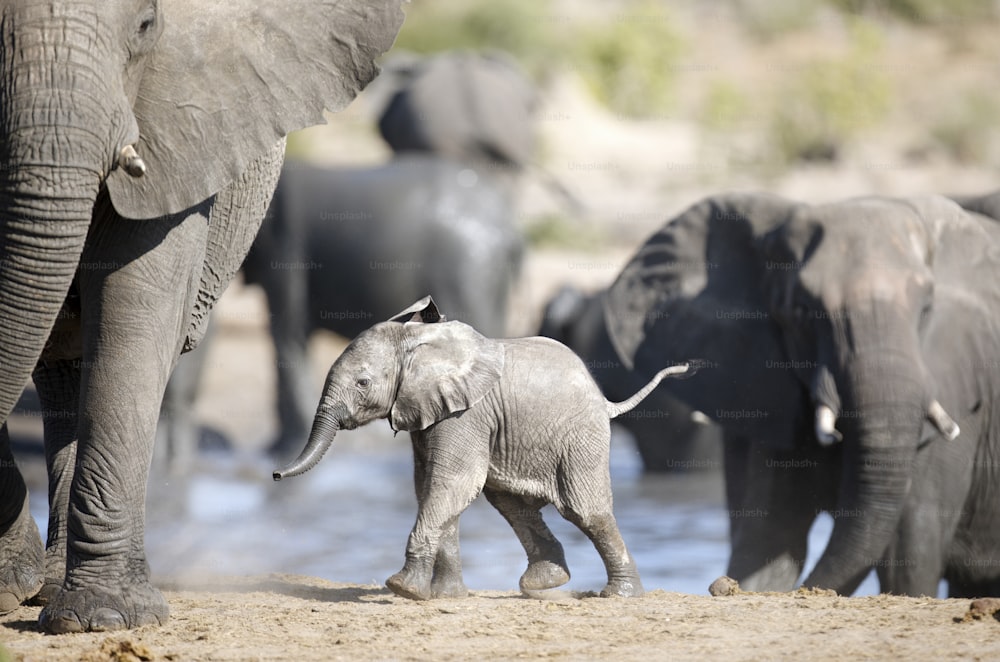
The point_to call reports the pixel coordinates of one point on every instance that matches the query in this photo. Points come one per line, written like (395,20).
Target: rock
(724,586)
(983,608)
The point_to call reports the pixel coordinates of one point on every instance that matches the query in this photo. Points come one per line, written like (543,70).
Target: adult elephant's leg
(287,290)
(546,560)
(936,510)
(280,262)
(770,515)
(21,557)
(177,430)
(138,281)
(58,384)
(913,563)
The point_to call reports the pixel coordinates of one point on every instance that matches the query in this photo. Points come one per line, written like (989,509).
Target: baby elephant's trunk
(324,429)
(616,409)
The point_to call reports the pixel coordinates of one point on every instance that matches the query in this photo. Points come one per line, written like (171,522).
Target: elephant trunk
(885,395)
(45,213)
(57,139)
(40,259)
(324,428)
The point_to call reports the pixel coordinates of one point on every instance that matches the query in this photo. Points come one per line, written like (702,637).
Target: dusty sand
(287,617)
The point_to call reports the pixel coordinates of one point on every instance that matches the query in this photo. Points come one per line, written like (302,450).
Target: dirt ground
(287,617)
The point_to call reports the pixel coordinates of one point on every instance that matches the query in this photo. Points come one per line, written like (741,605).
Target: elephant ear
(227,80)
(698,288)
(447,367)
(424,311)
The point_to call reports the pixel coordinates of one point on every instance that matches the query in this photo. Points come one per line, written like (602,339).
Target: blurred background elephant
(345,247)
(473,108)
(669,435)
(140,143)
(853,347)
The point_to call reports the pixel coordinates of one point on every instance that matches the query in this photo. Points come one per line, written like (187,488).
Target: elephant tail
(684,370)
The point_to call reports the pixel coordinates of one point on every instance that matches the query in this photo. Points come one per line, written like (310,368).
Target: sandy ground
(287,617)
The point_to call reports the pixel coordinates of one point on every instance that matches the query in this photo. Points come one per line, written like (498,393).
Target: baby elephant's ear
(447,368)
(425,311)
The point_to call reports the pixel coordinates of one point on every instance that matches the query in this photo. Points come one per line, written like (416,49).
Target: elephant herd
(847,351)
(850,363)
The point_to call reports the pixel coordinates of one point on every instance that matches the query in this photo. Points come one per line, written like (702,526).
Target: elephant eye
(147,23)
(364,382)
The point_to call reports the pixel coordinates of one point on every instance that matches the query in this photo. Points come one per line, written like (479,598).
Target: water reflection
(348,520)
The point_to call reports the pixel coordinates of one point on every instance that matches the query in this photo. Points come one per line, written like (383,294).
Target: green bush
(527,29)
(725,106)
(923,11)
(630,61)
(767,19)
(826,103)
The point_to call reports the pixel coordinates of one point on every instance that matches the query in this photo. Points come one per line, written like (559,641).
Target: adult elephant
(346,247)
(475,108)
(842,337)
(140,142)
(669,435)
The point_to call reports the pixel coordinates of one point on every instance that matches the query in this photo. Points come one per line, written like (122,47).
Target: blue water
(348,521)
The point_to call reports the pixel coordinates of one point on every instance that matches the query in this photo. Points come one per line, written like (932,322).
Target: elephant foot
(22,561)
(50,589)
(409,585)
(448,587)
(542,575)
(100,610)
(628,587)
(47,593)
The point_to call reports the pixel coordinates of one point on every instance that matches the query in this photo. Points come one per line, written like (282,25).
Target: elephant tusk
(131,162)
(826,433)
(700,418)
(942,421)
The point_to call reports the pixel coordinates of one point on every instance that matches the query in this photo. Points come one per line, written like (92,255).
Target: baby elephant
(520,420)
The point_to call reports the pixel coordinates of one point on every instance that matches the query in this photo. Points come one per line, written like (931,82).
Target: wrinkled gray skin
(343,248)
(519,420)
(179,436)
(669,435)
(140,143)
(831,332)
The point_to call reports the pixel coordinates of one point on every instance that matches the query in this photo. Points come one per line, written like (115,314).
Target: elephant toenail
(8,602)
(62,622)
(106,619)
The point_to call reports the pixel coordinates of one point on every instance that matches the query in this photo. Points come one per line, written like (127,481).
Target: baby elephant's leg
(586,502)
(445,490)
(414,581)
(446,581)
(601,528)
(546,561)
